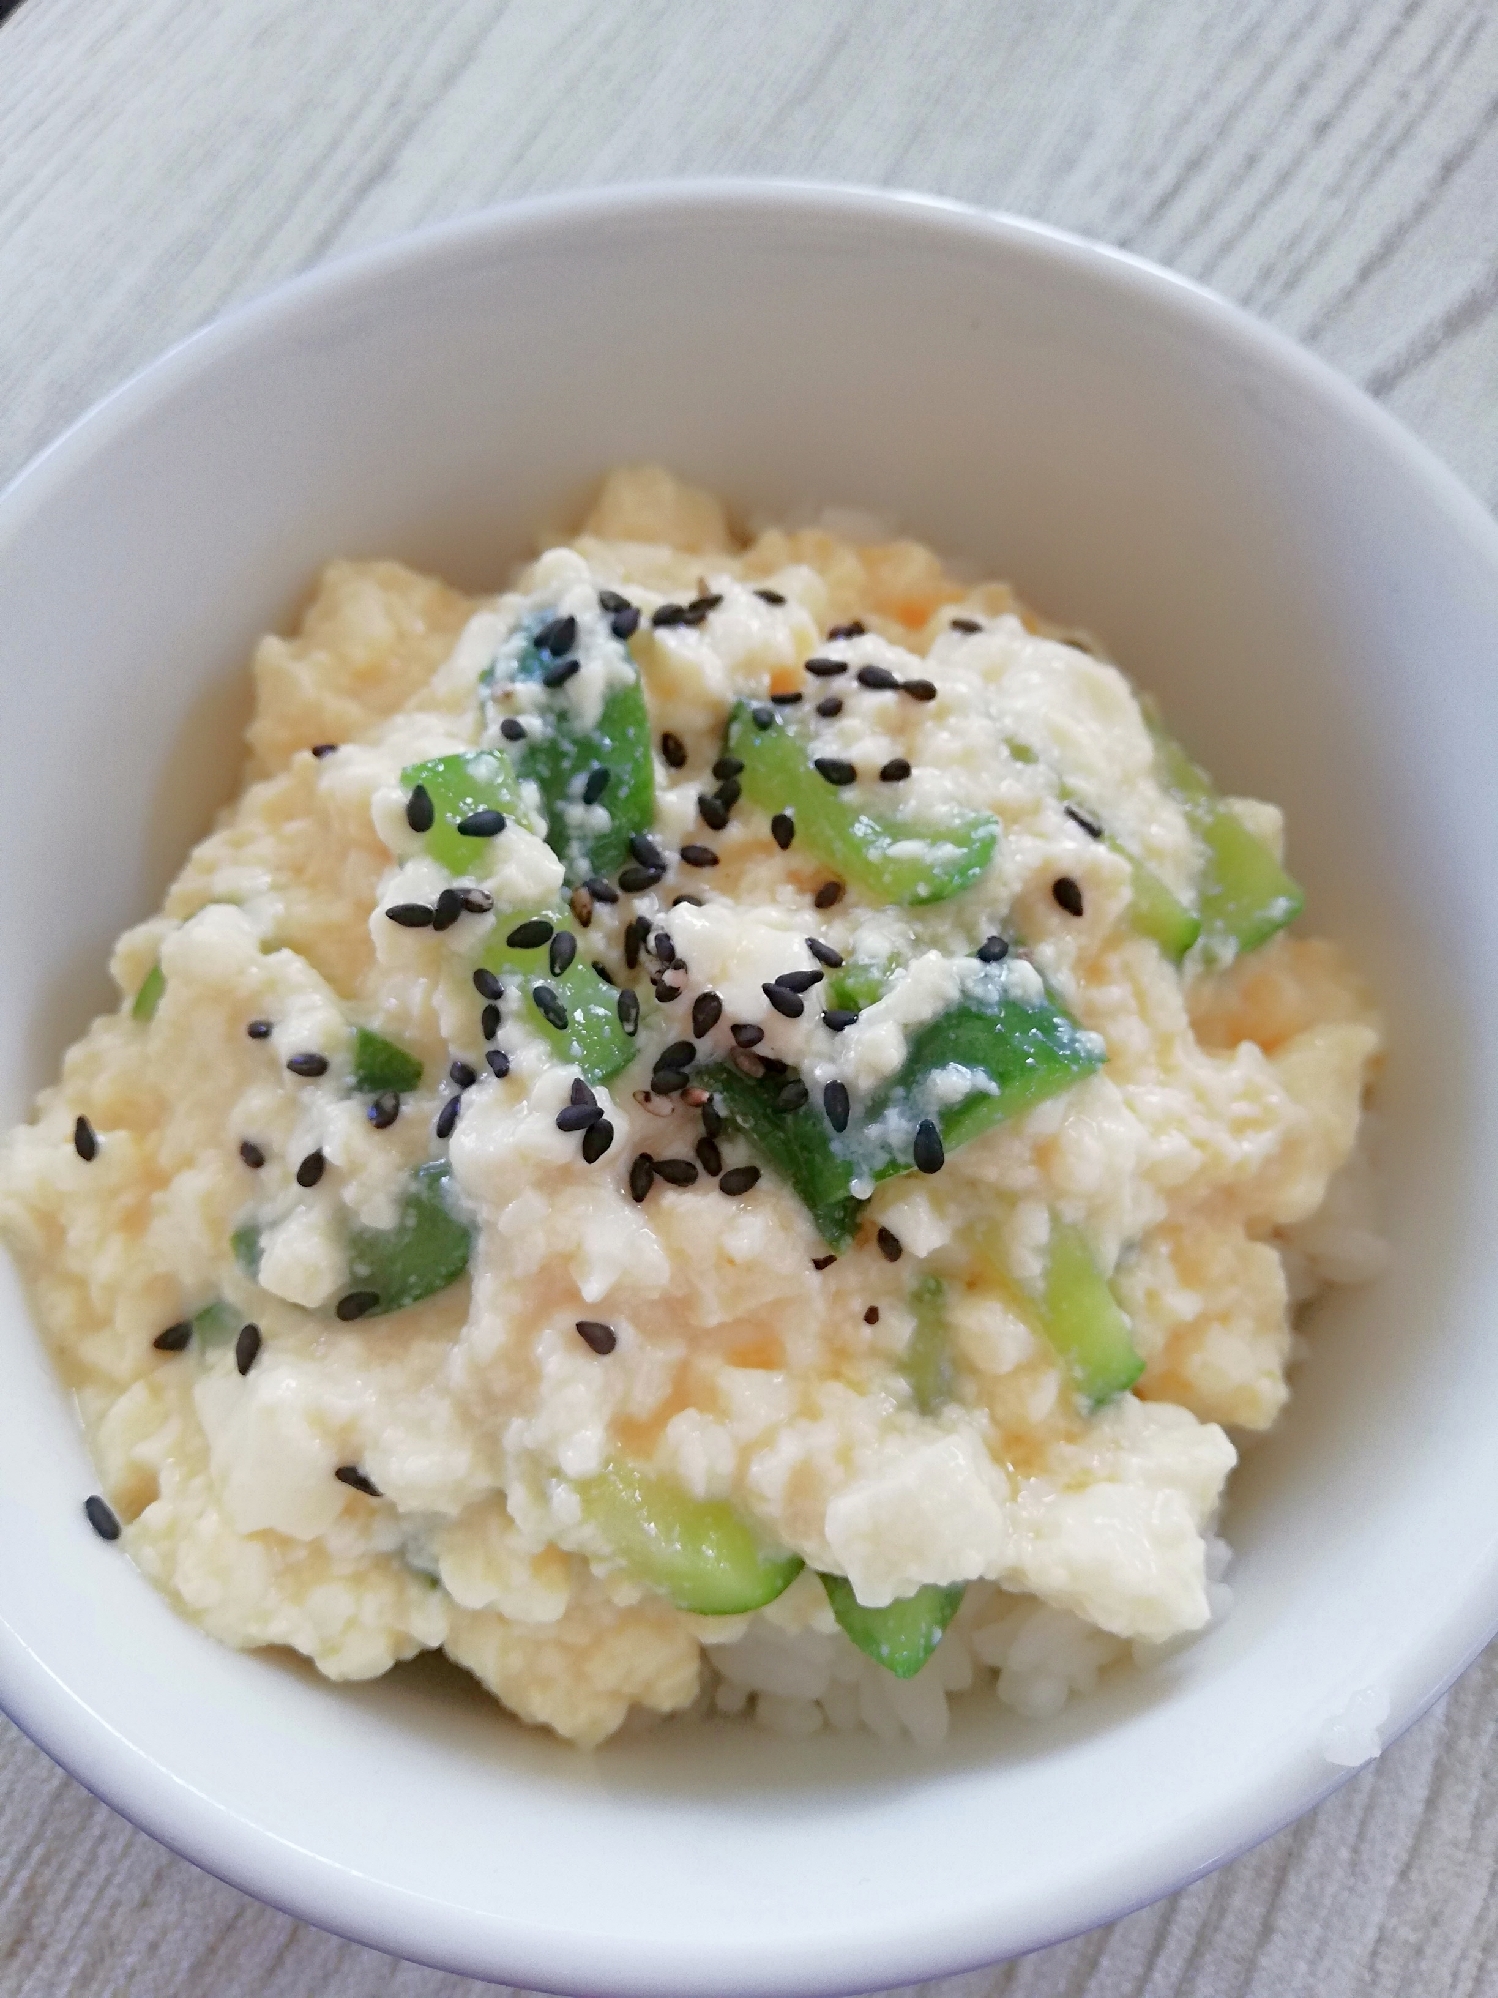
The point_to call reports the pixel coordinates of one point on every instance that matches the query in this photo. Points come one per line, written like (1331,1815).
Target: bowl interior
(1315,603)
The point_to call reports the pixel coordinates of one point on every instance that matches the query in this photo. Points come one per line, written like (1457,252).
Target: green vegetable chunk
(902,1635)
(1245,895)
(380,1065)
(701,1553)
(798,1144)
(1017,1056)
(886,860)
(459,785)
(1083,1322)
(216,1324)
(559,756)
(927,1361)
(149,996)
(423,1253)
(593,1038)
(245,1242)
(1155,913)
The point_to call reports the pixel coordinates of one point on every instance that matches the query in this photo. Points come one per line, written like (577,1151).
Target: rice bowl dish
(791,1225)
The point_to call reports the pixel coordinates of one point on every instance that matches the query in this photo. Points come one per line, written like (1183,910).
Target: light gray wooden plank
(1330,166)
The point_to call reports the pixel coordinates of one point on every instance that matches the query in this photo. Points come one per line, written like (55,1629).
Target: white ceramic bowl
(1317,602)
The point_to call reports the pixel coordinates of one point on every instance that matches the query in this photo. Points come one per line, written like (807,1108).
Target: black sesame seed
(420,812)
(919,690)
(773,1067)
(930,1155)
(596,1140)
(787,700)
(629,1011)
(610,600)
(746,1034)
(259,1030)
(641,1175)
(770,596)
(247,1347)
(714,813)
(563,950)
(482,824)
(667,1081)
(799,981)
(895,771)
(462,1075)
(664,993)
(706,603)
(557,637)
(964,624)
(823,1262)
(837,1019)
(834,770)
(351,1475)
(662,947)
(512,730)
(850,630)
(794,1096)
(597,784)
(680,1054)
(835,1103)
(410,915)
(601,890)
(310,1171)
(308,1064)
(176,1338)
(878,677)
(580,1092)
(477,901)
(828,895)
(871,1316)
(831,706)
(635,880)
(674,750)
(489,1022)
(499,1062)
(578,1116)
(635,933)
(384,1110)
(709,1157)
(321,749)
(787,1003)
(824,953)
(645,850)
(739,1179)
(707,1011)
(1085,820)
(252,1155)
(595,1334)
(448,908)
(487,985)
(529,935)
(712,1119)
(549,1006)
(85,1143)
(696,902)
(355,1303)
(447,1116)
(826,669)
(667,614)
(1067,895)
(762,717)
(890,1245)
(101,1518)
(992,950)
(783,830)
(699,856)
(728,766)
(729,792)
(676,1172)
(625,623)
(558,675)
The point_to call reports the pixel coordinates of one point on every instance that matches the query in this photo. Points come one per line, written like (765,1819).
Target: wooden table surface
(1331,164)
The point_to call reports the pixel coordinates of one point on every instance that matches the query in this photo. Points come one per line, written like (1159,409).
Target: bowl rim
(321,1891)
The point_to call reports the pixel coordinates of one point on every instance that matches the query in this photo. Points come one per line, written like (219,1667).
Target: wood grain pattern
(1331,166)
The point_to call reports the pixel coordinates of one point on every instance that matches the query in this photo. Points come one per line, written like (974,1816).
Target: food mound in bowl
(729,1128)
